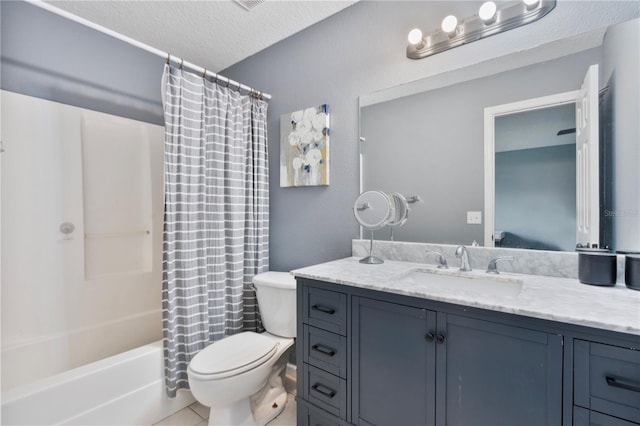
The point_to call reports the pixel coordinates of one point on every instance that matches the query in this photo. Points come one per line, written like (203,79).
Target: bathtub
(125,389)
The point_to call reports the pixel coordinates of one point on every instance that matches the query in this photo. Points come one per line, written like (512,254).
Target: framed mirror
(426,139)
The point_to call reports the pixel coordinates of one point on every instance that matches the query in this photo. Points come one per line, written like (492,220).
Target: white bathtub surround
(560,264)
(126,389)
(69,299)
(216,209)
(551,298)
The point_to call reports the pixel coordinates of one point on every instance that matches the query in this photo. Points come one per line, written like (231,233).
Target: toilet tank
(276,292)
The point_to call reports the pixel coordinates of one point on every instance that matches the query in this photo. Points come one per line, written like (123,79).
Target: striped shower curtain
(216,217)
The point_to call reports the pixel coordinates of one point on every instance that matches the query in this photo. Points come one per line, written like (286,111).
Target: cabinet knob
(440,338)
(429,337)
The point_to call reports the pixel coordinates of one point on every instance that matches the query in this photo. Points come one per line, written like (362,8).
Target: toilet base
(258,409)
(268,412)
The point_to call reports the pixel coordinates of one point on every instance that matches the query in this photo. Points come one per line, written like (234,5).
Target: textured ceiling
(212,34)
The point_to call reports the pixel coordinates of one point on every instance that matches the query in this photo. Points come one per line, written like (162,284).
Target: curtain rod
(200,70)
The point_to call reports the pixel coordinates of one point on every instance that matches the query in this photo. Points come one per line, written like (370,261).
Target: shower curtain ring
(168,58)
(204,73)
(182,64)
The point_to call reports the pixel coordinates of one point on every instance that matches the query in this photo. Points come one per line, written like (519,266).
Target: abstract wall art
(304,147)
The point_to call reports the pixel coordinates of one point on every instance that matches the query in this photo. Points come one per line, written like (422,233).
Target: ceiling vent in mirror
(249,4)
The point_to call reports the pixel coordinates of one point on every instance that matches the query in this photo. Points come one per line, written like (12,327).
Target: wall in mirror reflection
(431,144)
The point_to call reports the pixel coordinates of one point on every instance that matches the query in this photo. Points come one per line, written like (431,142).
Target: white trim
(490,114)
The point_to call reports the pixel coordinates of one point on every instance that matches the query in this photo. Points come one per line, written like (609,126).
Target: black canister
(597,267)
(632,271)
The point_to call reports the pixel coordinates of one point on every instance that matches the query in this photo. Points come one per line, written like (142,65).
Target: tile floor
(197,415)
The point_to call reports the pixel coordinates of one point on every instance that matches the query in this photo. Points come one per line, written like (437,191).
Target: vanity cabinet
(393,359)
(324,354)
(436,368)
(370,357)
(607,384)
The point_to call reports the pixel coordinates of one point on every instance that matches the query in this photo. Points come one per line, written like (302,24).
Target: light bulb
(449,24)
(487,12)
(415,36)
(530,4)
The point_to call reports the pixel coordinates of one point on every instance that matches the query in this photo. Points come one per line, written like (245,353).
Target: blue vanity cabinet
(322,354)
(413,366)
(369,357)
(393,359)
(490,373)
(606,384)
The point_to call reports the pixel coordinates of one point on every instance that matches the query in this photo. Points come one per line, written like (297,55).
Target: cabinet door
(494,374)
(393,362)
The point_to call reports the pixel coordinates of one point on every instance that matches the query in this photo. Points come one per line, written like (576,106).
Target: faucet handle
(492,268)
(442,262)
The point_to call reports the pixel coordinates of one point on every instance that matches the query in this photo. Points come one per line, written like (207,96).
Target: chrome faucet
(492,268)
(442,262)
(461,252)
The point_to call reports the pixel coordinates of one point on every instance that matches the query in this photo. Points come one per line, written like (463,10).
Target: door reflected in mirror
(535,179)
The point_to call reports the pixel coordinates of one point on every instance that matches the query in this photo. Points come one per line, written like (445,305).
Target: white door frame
(490,114)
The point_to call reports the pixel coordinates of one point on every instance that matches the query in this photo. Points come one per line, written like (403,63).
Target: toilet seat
(233,355)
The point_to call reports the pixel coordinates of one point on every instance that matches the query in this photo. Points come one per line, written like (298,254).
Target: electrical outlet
(474,218)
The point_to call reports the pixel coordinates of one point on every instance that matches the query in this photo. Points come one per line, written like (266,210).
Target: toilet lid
(275,279)
(233,355)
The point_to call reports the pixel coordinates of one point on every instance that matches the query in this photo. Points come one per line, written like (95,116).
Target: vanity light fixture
(488,12)
(531,4)
(449,25)
(415,36)
(491,19)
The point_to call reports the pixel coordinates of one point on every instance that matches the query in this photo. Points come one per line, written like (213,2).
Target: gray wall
(50,57)
(355,52)
(623,69)
(535,197)
(432,144)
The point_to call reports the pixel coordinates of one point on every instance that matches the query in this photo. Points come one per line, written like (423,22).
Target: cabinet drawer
(325,390)
(325,350)
(607,379)
(584,417)
(325,309)
(308,415)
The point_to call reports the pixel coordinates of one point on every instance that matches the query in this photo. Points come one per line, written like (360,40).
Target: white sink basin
(448,280)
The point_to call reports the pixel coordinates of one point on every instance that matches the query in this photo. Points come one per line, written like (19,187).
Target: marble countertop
(558,299)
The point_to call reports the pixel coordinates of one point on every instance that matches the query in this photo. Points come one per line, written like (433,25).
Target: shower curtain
(216,218)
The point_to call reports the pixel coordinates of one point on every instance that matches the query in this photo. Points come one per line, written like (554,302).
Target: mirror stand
(371,260)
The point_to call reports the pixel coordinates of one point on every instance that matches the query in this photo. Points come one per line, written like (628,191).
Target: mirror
(425,139)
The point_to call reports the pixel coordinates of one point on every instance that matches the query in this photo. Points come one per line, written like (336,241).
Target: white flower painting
(304,147)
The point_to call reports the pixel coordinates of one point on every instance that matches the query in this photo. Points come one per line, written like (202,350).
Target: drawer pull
(440,339)
(323,309)
(323,350)
(321,389)
(616,384)
(429,337)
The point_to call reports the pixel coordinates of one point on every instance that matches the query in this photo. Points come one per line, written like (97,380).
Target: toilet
(241,376)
